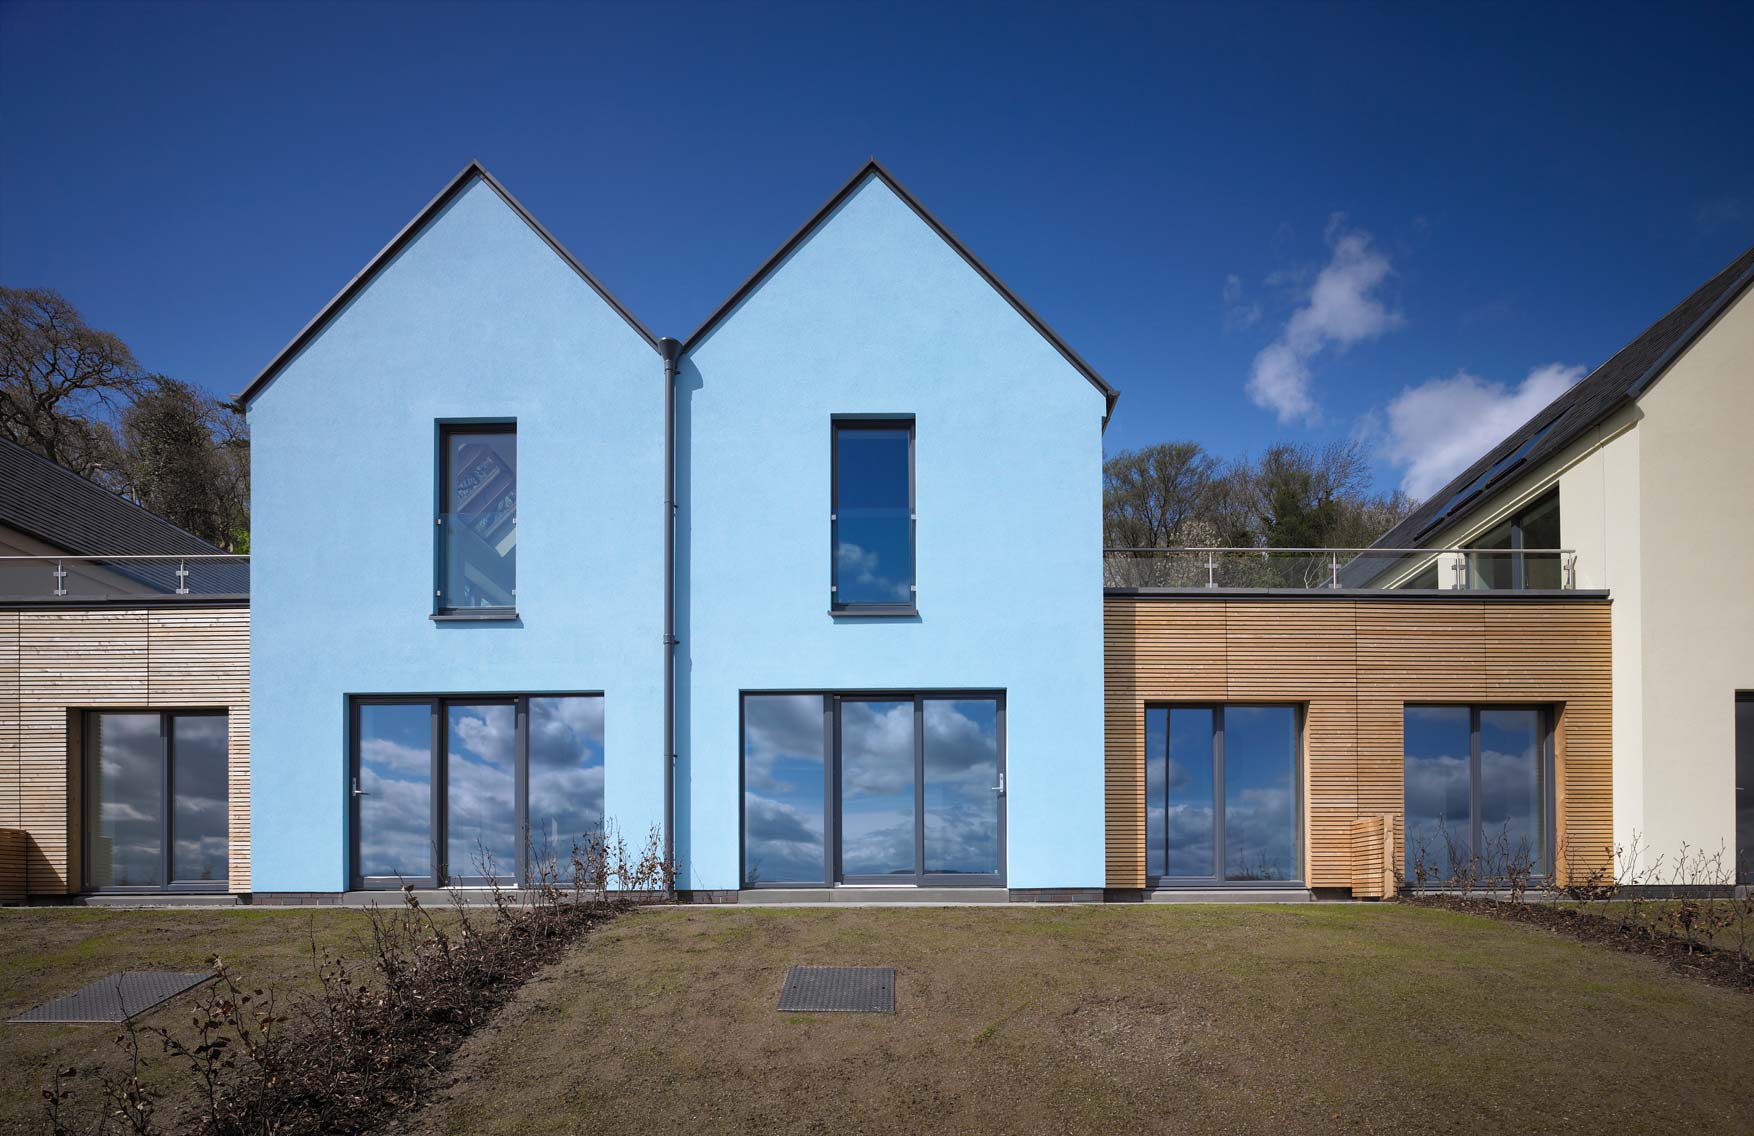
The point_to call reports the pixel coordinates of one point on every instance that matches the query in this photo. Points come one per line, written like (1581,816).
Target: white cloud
(1440,427)
(1340,309)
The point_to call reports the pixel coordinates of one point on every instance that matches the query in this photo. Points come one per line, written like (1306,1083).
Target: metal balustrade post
(1333,572)
(182,578)
(1211,569)
(60,579)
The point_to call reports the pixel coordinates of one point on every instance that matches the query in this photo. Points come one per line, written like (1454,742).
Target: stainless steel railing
(76,578)
(1467,569)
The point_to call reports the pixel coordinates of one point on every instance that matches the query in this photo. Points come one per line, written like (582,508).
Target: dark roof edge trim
(110,603)
(403,238)
(59,470)
(873,167)
(1694,331)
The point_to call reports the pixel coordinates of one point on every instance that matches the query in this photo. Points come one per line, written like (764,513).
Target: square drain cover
(118,997)
(851,989)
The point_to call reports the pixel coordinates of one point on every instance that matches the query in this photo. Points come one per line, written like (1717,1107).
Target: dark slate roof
(874,168)
(1621,379)
(366,275)
(80,517)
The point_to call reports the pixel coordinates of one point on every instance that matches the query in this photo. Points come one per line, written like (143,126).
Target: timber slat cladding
(55,663)
(1355,665)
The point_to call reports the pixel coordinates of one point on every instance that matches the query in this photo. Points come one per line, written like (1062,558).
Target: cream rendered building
(1650,462)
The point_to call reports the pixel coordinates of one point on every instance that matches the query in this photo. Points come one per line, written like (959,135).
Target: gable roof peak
(874,168)
(471,172)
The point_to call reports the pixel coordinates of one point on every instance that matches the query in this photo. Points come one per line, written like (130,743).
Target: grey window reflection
(1510,789)
(1156,789)
(479,528)
(873,514)
(877,788)
(395,779)
(1510,568)
(1260,792)
(565,778)
(1189,832)
(784,768)
(1492,571)
(1540,529)
(200,824)
(480,787)
(1437,742)
(125,801)
(961,772)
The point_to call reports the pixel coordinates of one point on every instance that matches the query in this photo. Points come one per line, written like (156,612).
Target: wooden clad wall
(55,662)
(1354,663)
(12,847)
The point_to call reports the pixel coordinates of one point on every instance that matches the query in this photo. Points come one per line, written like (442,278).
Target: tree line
(77,396)
(1176,495)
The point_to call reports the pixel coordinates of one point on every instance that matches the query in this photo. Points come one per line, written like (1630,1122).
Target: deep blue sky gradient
(201,178)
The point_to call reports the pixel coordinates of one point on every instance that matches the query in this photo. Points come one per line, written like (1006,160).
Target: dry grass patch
(1175,1018)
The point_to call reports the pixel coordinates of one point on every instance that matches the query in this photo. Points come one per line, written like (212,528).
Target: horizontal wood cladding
(1355,665)
(57,662)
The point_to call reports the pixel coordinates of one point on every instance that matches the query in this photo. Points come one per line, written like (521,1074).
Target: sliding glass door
(473,790)
(157,802)
(1478,791)
(873,789)
(1222,795)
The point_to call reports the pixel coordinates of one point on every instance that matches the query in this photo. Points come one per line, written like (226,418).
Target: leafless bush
(368,1042)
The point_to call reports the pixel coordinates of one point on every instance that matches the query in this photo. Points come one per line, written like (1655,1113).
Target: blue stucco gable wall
(874,313)
(476,317)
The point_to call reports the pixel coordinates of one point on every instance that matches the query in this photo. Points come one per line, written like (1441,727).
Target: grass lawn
(47,952)
(1109,1019)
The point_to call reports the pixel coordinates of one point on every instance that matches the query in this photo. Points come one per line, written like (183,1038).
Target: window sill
(477,615)
(898,611)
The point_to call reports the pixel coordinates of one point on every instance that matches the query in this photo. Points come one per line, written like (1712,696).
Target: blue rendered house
(868,653)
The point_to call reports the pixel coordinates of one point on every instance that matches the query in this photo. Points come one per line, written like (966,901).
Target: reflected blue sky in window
(480,791)
(783,787)
(962,767)
(1188,825)
(1510,789)
(873,555)
(395,773)
(1437,742)
(877,788)
(1260,793)
(1156,771)
(565,777)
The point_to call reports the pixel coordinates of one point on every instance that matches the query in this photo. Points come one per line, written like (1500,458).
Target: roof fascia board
(872,167)
(406,236)
(1687,338)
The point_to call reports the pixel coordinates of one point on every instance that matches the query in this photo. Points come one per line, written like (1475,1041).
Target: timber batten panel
(1354,665)
(55,663)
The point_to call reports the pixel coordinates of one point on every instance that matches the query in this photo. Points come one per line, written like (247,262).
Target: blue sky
(1455,199)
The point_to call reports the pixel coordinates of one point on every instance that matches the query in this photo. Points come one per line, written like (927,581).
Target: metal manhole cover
(848,989)
(118,997)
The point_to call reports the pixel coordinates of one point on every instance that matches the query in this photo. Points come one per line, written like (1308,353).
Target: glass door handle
(1000,787)
(357,791)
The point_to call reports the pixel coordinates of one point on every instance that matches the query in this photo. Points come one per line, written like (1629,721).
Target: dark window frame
(1547,770)
(438,774)
(1518,566)
(1744,865)
(443,429)
(1217,880)
(167,799)
(837,423)
(831,799)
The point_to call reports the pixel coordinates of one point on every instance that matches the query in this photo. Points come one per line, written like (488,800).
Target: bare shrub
(367,1044)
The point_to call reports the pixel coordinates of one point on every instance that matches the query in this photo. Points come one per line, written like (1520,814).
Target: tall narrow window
(1478,792)
(157,807)
(478,520)
(1745,787)
(1497,560)
(1222,794)
(785,787)
(872,523)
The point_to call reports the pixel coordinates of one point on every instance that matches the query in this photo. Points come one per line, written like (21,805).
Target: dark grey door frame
(167,801)
(1217,879)
(439,775)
